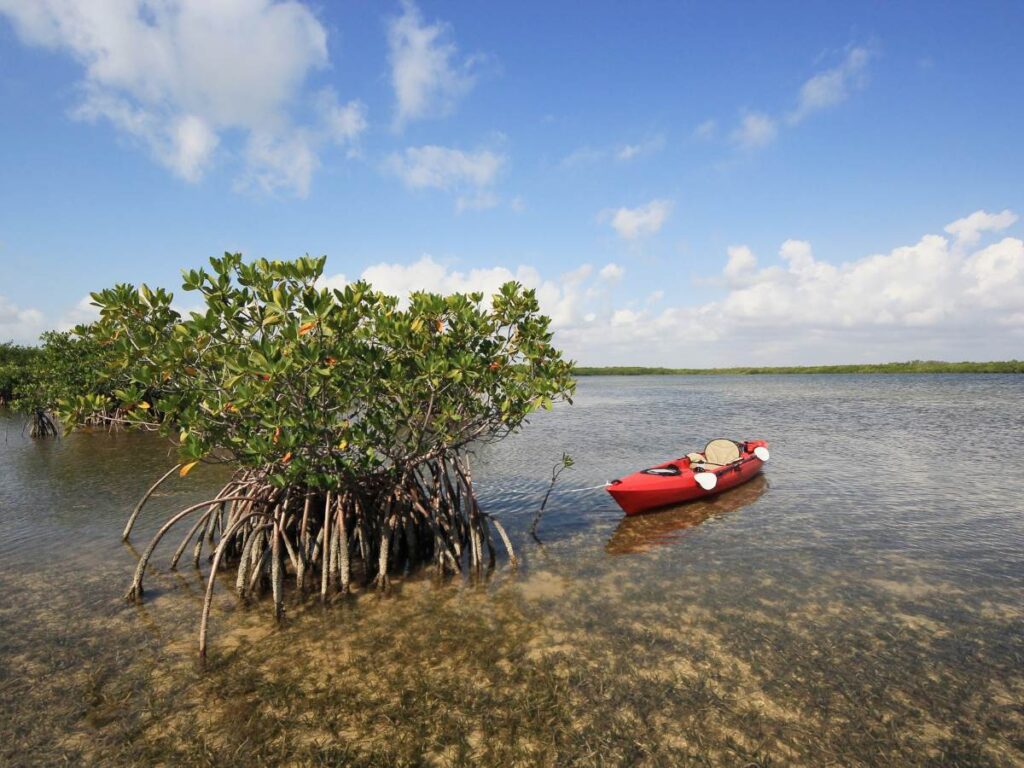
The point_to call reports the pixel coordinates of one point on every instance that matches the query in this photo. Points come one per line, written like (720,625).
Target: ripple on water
(858,604)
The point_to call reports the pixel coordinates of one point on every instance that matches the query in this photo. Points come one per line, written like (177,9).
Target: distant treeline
(15,364)
(913,366)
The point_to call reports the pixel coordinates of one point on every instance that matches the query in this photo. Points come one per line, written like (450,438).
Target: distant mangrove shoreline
(913,366)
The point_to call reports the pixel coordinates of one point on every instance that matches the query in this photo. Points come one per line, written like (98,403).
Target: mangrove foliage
(347,414)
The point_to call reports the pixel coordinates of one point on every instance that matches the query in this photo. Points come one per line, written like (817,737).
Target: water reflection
(640,533)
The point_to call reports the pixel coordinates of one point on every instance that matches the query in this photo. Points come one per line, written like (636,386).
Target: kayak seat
(721,452)
(695,458)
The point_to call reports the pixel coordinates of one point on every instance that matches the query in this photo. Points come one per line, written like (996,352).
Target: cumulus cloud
(612,272)
(565,299)
(634,223)
(995,277)
(969,229)
(929,299)
(426,72)
(832,86)
(182,77)
(934,298)
(24,325)
(19,324)
(426,274)
(740,265)
(83,312)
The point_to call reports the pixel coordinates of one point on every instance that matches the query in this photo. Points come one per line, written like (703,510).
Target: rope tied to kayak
(589,488)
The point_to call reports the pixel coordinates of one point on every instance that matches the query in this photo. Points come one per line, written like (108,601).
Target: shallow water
(859,604)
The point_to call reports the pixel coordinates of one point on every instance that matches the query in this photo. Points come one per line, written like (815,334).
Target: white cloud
(19,324)
(832,86)
(823,90)
(633,223)
(621,317)
(341,123)
(471,174)
(335,282)
(648,147)
(564,299)
(930,299)
(925,300)
(444,168)
(996,275)
(181,76)
(611,273)
(739,267)
(25,325)
(969,229)
(756,129)
(280,163)
(83,312)
(623,153)
(425,72)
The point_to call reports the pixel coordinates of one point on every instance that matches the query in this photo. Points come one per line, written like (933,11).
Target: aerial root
(272,537)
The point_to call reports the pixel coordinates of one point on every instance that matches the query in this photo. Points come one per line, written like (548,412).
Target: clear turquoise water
(860,604)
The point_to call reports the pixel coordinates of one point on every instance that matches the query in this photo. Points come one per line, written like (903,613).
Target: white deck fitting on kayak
(762,453)
(706,480)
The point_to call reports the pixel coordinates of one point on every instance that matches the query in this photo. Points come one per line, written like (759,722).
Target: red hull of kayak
(643,492)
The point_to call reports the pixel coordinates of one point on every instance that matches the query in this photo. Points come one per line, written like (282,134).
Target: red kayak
(724,464)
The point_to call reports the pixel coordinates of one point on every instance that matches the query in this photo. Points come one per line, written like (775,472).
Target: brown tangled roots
(316,539)
(42,424)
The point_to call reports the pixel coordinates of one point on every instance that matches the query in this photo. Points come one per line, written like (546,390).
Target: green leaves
(313,384)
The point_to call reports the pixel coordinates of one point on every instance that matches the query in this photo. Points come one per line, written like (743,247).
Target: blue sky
(684,184)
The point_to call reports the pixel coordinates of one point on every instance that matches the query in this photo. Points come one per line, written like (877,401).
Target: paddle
(762,453)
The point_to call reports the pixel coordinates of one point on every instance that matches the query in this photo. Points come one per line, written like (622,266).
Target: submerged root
(275,536)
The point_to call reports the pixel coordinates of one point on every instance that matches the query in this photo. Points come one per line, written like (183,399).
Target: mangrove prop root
(135,591)
(188,537)
(142,502)
(42,424)
(276,572)
(512,560)
(343,536)
(268,536)
(325,548)
(208,599)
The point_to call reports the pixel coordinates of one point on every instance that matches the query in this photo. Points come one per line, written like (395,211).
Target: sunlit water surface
(858,604)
